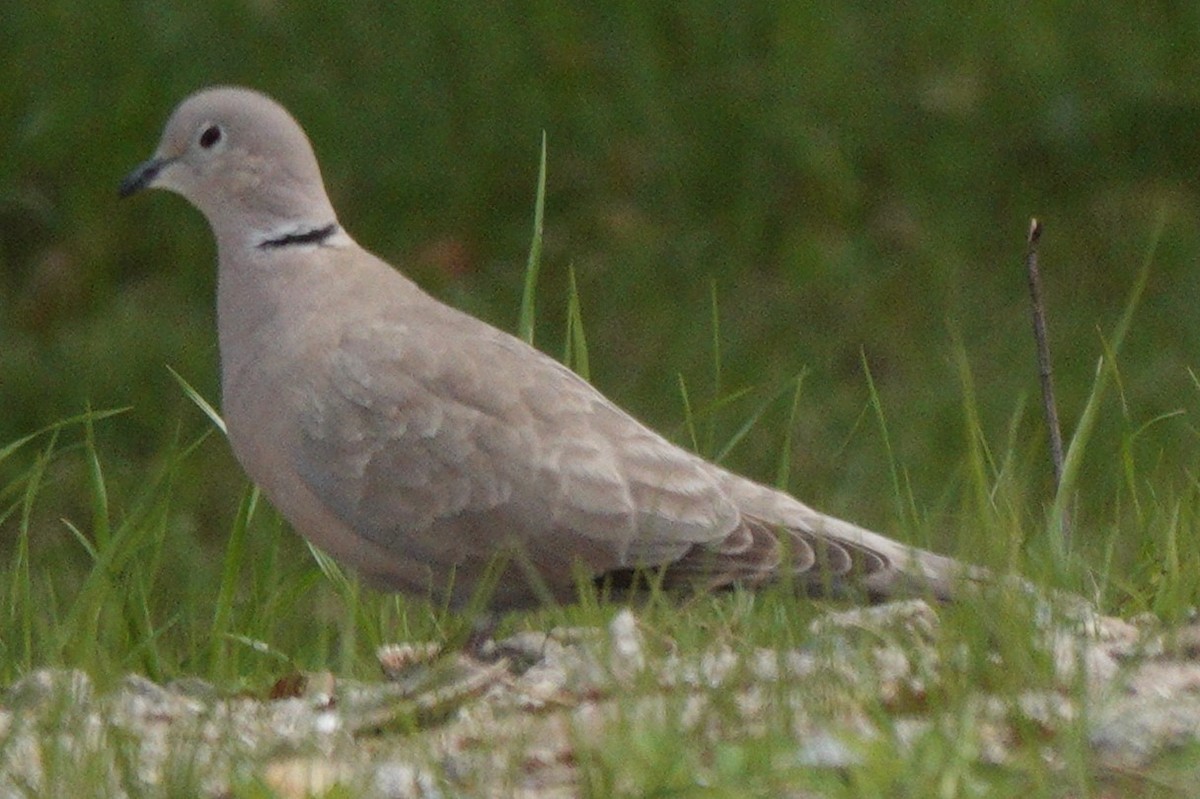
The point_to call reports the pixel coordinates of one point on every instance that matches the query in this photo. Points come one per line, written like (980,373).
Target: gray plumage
(415,442)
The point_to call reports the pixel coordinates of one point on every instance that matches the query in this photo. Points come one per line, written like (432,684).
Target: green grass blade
(84,542)
(715,323)
(204,405)
(21,599)
(89,416)
(576,354)
(877,406)
(1073,460)
(101,529)
(689,418)
(329,567)
(533,266)
(235,556)
(978,458)
(783,476)
(748,424)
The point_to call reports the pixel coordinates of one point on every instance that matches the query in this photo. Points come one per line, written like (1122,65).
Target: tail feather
(779,534)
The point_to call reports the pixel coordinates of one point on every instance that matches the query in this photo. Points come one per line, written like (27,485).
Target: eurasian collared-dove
(418,443)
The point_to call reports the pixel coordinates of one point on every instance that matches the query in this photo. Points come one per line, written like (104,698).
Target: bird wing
(436,432)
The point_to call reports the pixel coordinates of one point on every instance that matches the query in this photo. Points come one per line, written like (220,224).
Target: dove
(423,446)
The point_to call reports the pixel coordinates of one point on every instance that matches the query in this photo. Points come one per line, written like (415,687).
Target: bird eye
(210,136)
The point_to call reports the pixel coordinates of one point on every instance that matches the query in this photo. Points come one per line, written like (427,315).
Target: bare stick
(1045,369)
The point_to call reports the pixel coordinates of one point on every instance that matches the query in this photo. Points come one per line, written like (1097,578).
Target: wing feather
(447,437)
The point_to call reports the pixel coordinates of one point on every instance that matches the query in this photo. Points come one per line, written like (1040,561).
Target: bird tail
(782,538)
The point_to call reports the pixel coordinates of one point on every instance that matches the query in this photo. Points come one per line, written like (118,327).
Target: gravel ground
(511,721)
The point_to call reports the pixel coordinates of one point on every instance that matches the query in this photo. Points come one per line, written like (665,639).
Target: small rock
(396,659)
(627,657)
(72,687)
(300,778)
(825,750)
(914,616)
(404,781)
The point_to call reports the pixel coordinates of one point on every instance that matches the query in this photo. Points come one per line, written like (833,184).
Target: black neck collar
(318,235)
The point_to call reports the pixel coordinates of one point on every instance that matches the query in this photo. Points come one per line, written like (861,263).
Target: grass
(852,185)
(269,607)
(854,181)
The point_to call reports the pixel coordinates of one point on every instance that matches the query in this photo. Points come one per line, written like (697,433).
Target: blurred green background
(851,182)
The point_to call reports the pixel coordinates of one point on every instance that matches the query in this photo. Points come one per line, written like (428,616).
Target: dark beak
(142,176)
